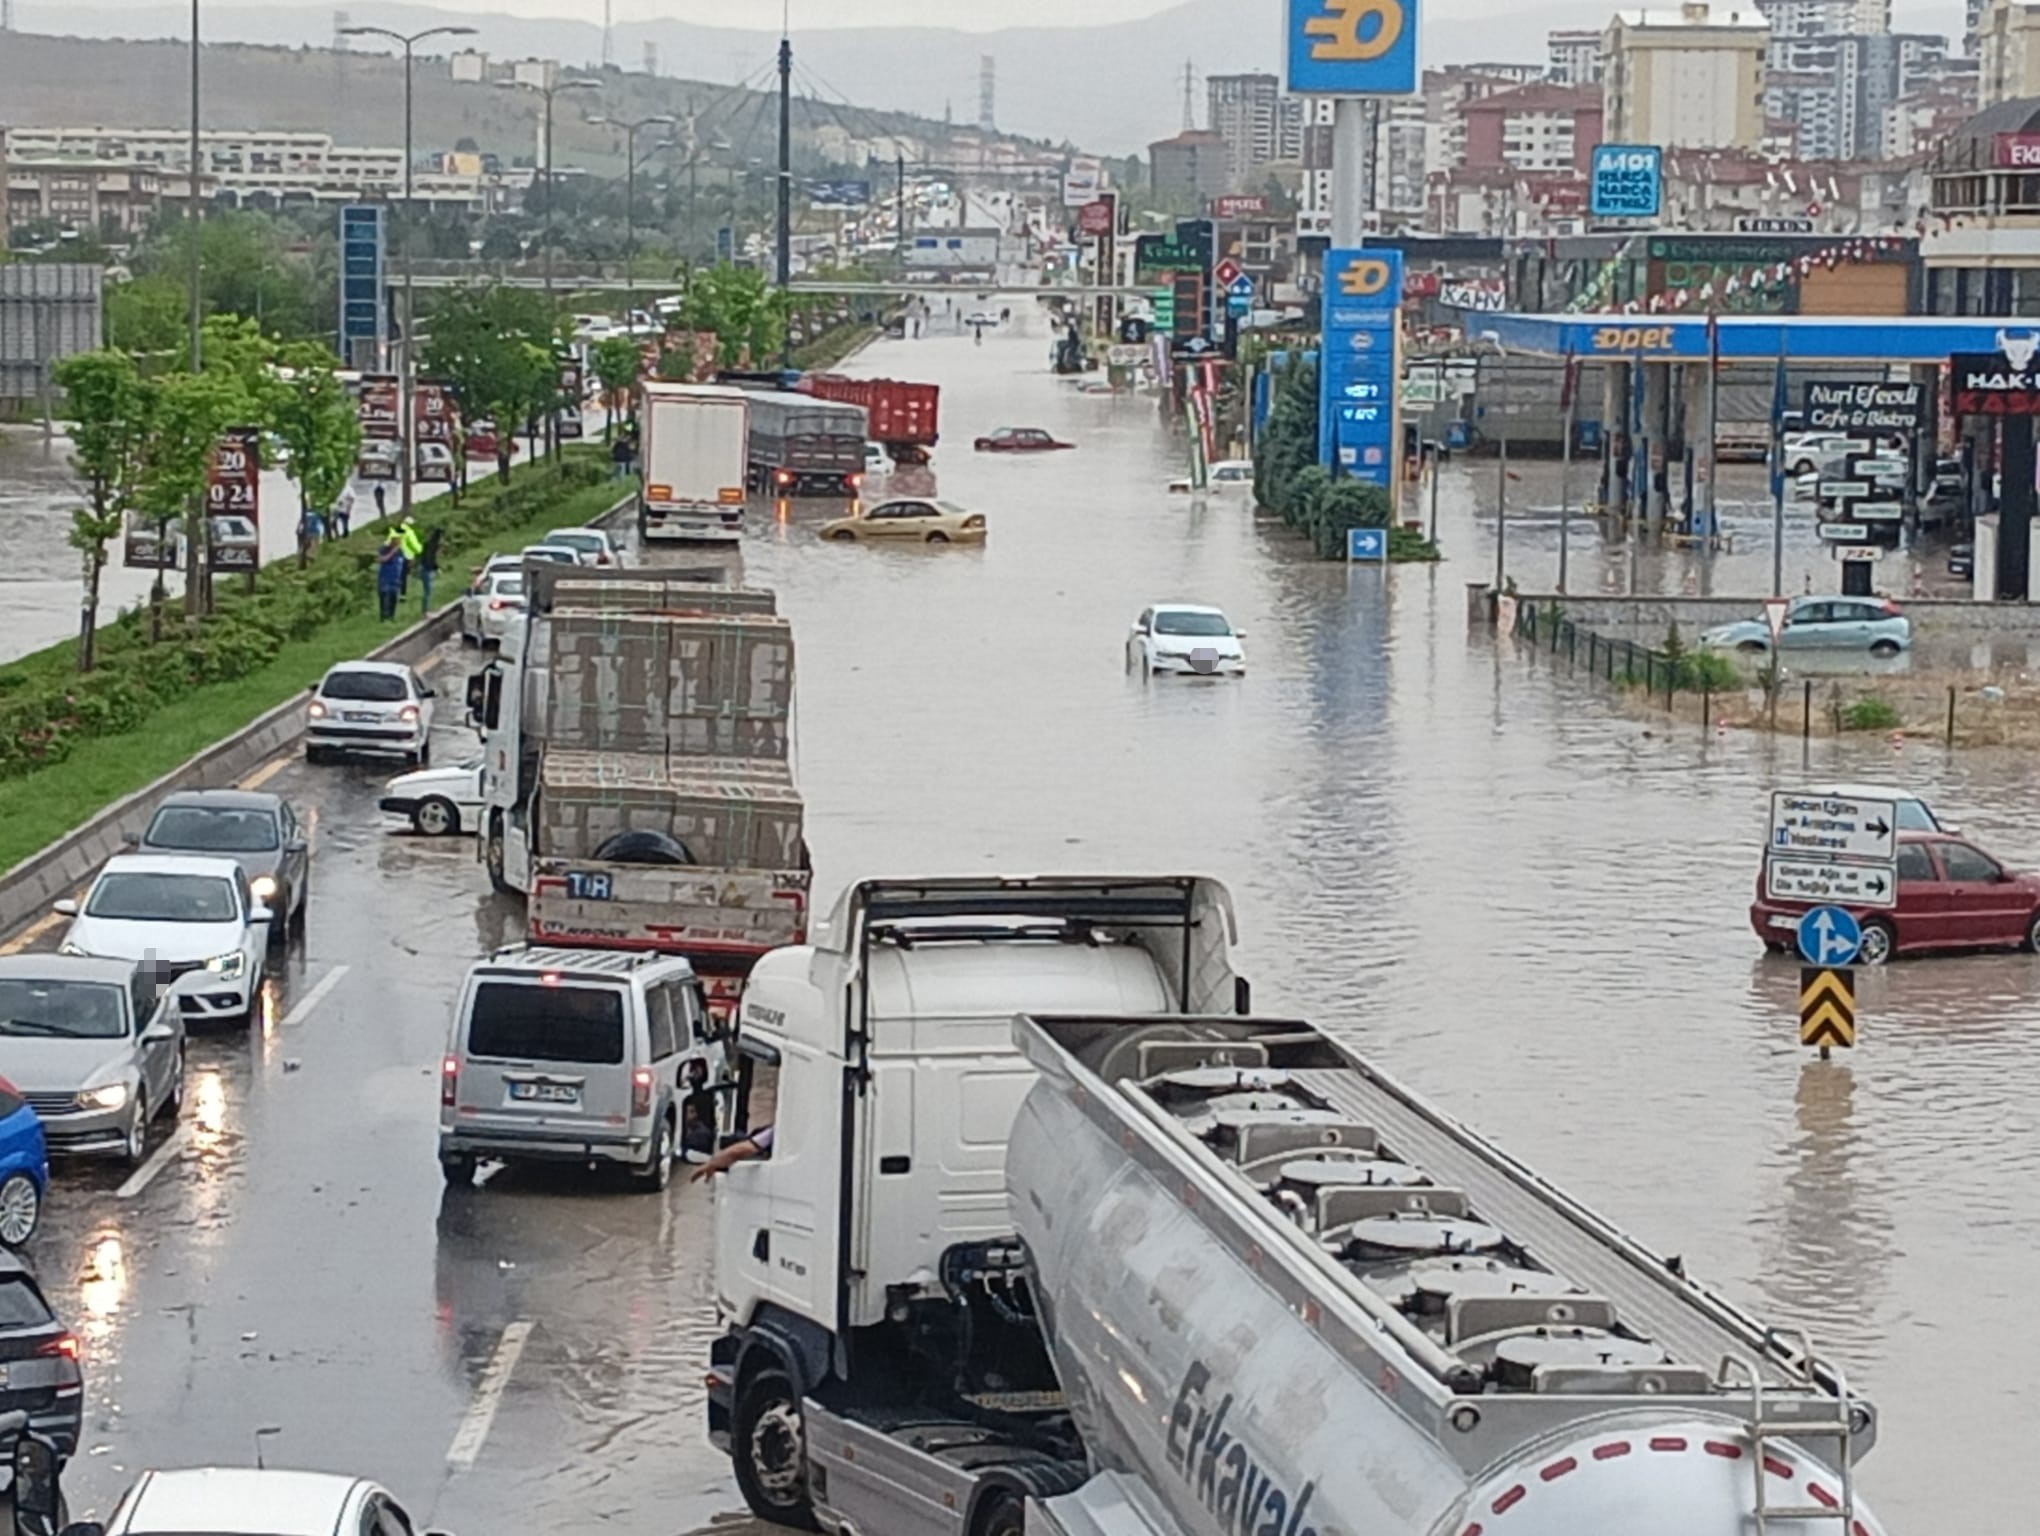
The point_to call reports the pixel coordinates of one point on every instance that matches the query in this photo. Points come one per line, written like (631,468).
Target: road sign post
(1367,545)
(1829,936)
(1827,1007)
(1832,848)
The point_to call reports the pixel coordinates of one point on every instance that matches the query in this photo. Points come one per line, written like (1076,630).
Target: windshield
(1191,624)
(212,829)
(381,687)
(1913,816)
(153,898)
(509,586)
(514,1021)
(578,540)
(72,1010)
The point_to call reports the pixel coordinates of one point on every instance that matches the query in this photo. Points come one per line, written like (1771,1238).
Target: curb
(27,889)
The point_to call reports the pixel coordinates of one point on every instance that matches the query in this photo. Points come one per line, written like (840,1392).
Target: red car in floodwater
(1020,440)
(1951,895)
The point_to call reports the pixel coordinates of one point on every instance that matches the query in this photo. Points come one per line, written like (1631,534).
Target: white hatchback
(1186,638)
(370,706)
(487,612)
(591,544)
(191,918)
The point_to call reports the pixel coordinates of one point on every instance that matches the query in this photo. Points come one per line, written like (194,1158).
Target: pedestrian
(428,567)
(410,544)
(343,511)
(698,1112)
(382,503)
(757,1144)
(389,576)
(619,455)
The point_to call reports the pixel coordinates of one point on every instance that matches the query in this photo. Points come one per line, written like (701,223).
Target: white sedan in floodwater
(1187,638)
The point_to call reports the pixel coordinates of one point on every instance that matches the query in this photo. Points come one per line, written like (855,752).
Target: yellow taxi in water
(914,520)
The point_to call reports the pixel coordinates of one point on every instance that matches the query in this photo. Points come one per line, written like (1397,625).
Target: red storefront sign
(2019,151)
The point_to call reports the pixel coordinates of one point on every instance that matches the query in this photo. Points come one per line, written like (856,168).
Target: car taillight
(449,1081)
(783,477)
(853,481)
(64,1344)
(317,710)
(408,714)
(641,1091)
(497,605)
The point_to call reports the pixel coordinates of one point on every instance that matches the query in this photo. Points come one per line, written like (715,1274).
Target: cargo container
(692,456)
(900,417)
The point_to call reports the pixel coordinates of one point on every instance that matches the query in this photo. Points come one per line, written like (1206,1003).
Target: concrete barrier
(27,889)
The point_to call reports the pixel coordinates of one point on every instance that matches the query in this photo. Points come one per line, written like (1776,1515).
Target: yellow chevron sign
(1827,1007)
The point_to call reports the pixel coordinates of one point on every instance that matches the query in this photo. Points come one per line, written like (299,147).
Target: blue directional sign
(1356,415)
(1829,936)
(1367,544)
(1628,181)
(363,258)
(1353,47)
(1242,287)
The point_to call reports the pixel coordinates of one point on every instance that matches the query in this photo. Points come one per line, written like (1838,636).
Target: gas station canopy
(1746,338)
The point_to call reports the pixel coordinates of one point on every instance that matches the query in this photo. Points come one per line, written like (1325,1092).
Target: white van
(578,1056)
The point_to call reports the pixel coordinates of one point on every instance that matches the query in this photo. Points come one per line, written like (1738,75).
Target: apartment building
(1693,77)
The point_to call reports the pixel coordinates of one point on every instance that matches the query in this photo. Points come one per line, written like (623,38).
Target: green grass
(45,805)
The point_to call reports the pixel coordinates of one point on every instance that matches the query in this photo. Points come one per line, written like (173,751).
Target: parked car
(43,1378)
(1187,638)
(24,1167)
(489,610)
(95,1046)
(1019,440)
(268,1500)
(1874,624)
(1951,895)
(876,460)
(435,462)
(370,706)
(591,544)
(380,459)
(257,830)
(482,441)
(192,918)
(438,802)
(573,1056)
(923,522)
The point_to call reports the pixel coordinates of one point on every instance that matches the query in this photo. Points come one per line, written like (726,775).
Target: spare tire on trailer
(644,847)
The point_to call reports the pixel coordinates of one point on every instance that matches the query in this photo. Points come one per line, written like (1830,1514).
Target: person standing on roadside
(343,511)
(410,544)
(382,501)
(619,455)
(428,567)
(389,576)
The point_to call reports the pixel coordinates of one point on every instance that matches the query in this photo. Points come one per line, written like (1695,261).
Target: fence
(1660,674)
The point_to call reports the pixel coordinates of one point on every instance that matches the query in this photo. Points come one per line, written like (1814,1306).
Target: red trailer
(902,416)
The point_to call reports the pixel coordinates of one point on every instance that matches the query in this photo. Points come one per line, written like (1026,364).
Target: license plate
(546,1093)
(589,887)
(363,717)
(1786,922)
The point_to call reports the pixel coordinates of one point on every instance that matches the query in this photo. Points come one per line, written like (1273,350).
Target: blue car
(1873,624)
(24,1167)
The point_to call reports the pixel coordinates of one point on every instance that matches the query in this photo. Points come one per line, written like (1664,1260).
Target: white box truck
(693,456)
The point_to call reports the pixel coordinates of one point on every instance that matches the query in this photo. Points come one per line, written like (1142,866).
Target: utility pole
(899,201)
(786,186)
(192,210)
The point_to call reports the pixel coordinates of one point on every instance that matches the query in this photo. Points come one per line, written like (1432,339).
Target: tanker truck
(1022,1259)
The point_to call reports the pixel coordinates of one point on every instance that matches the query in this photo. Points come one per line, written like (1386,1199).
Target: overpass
(606,282)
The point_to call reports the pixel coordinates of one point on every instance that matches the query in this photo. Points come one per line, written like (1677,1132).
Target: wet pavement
(1525,900)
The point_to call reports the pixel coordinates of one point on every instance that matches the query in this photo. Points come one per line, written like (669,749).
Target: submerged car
(1019,440)
(1186,638)
(1874,624)
(918,521)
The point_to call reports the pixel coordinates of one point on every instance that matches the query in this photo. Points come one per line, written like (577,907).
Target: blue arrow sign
(1367,544)
(1829,936)
(1242,287)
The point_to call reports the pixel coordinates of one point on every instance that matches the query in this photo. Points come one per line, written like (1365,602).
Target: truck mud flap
(1105,1506)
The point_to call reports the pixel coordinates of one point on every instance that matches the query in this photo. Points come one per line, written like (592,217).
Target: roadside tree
(616,367)
(747,316)
(110,407)
(315,420)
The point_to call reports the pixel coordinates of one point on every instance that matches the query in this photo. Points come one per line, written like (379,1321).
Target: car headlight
(263,887)
(228,966)
(112,1096)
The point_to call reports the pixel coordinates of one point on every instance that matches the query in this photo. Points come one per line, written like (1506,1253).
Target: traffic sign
(1775,609)
(1829,936)
(1241,287)
(1807,825)
(1226,273)
(1239,305)
(1367,544)
(1857,885)
(1844,533)
(1827,1007)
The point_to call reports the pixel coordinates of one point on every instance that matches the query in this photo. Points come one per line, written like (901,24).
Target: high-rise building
(1540,127)
(1687,79)
(2007,52)
(1574,58)
(1246,112)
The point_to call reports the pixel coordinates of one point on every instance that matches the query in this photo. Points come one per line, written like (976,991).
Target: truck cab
(866,1272)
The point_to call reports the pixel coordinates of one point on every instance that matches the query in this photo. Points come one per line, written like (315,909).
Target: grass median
(44,804)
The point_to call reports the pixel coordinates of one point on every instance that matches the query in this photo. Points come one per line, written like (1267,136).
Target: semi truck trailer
(1156,1266)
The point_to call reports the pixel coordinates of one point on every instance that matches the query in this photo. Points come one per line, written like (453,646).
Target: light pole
(407,369)
(191,208)
(630,165)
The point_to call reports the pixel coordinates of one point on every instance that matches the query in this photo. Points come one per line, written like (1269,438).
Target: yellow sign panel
(1633,338)
(1827,1007)
(1363,277)
(1337,35)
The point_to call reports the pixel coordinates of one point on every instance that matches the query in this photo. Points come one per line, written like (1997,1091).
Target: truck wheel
(768,1447)
(492,854)
(1001,1513)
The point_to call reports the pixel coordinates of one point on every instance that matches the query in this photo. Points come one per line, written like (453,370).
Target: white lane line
(161,1158)
(313,998)
(481,1414)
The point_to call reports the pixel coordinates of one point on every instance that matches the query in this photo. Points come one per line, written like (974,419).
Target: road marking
(481,1414)
(265,773)
(160,1159)
(32,932)
(313,998)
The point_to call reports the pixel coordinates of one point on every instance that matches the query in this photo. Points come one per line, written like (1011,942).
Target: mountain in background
(1111,89)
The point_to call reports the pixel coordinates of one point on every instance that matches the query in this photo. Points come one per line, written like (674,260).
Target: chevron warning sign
(1827,1006)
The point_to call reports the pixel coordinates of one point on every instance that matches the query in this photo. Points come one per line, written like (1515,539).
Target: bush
(1288,479)
(1870,714)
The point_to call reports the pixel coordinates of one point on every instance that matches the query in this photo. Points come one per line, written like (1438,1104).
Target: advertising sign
(363,258)
(233,488)
(2019,151)
(1773,224)
(2001,383)
(379,400)
(1357,412)
(433,407)
(1159,253)
(1486,294)
(1097,217)
(1628,181)
(573,389)
(1353,47)
(1868,408)
(1082,181)
(839,194)
(1239,206)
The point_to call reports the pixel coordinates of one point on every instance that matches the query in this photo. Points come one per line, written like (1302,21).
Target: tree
(747,318)
(147,315)
(313,416)
(251,265)
(616,367)
(109,405)
(495,346)
(192,411)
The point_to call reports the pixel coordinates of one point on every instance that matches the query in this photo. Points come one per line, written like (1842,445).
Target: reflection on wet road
(1522,898)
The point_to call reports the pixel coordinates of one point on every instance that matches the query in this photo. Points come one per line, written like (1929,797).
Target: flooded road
(1475,867)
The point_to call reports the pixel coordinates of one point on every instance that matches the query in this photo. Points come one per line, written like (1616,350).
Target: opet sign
(1634,338)
(1353,47)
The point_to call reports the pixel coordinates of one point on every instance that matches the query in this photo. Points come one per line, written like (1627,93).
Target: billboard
(233,492)
(48,310)
(573,390)
(1358,380)
(149,545)
(364,263)
(1084,179)
(1240,206)
(1097,217)
(379,408)
(1627,181)
(839,194)
(1353,47)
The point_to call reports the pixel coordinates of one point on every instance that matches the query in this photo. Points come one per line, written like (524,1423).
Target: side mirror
(156,1034)
(37,1499)
(295,845)
(260,914)
(428,692)
(65,908)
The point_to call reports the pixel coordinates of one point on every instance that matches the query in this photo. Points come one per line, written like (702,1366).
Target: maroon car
(1951,895)
(1020,440)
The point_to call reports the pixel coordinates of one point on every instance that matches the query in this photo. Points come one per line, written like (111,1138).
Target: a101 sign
(1627,181)
(1353,47)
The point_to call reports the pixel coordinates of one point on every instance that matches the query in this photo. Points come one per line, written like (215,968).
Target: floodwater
(1481,870)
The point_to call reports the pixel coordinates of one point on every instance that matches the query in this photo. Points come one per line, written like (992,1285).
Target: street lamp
(548,92)
(407,371)
(630,165)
